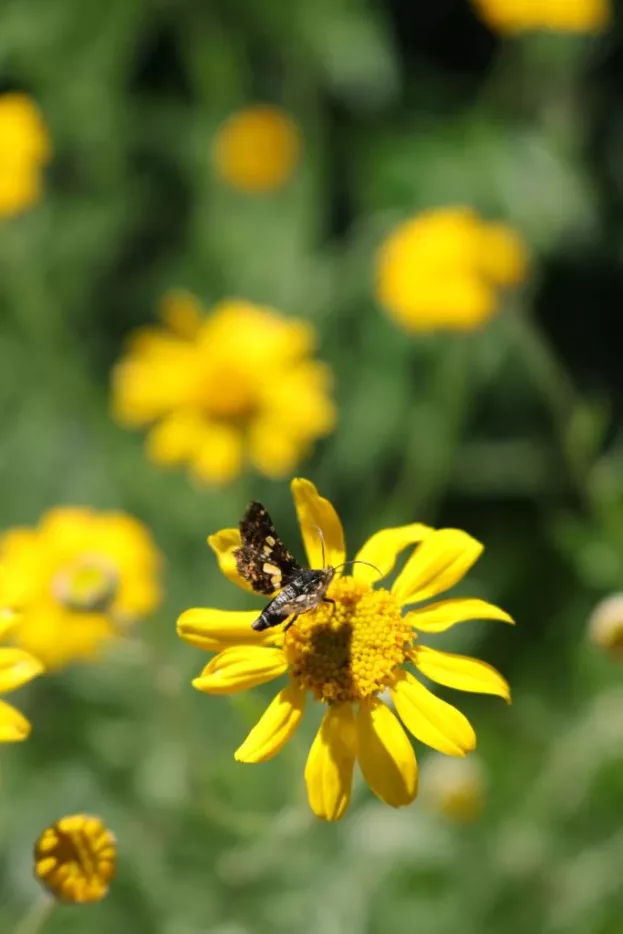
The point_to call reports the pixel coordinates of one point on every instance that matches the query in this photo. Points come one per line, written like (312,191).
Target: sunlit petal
(329,769)
(437,617)
(16,668)
(223,544)
(275,726)
(385,754)
(430,719)
(215,630)
(13,725)
(240,667)
(439,563)
(383,548)
(315,512)
(460,672)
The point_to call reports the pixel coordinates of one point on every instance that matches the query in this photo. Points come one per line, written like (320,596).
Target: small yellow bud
(75,858)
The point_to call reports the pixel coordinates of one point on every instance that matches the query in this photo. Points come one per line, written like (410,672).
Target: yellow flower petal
(8,621)
(460,672)
(383,548)
(240,667)
(315,512)
(215,630)
(275,726)
(329,769)
(13,725)
(439,563)
(223,544)
(430,719)
(385,754)
(16,668)
(218,457)
(437,617)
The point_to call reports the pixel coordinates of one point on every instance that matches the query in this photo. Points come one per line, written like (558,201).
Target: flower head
(256,149)
(442,270)
(75,858)
(17,667)
(347,653)
(24,151)
(514,16)
(78,578)
(238,383)
(605,626)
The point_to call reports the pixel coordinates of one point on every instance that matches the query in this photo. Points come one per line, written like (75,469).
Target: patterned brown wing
(262,559)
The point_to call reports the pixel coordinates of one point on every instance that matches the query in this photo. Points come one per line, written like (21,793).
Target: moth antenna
(320,533)
(367,563)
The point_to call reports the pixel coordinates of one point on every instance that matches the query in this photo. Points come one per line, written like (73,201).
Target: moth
(265,563)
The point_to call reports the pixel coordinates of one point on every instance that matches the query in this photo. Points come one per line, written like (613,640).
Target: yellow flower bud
(75,858)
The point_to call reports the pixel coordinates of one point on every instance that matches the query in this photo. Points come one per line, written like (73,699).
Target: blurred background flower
(235,385)
(511,16)
(443,270)
(256,149)
(79,578)
(16,668)
(454,788)
(24,151)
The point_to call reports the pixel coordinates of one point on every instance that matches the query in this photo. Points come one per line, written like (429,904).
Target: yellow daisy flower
(75,858)
(514,16)
(256,149)
(24,151)
(347,654)
(443,269)
(209,385)
(77,579)
(17,667)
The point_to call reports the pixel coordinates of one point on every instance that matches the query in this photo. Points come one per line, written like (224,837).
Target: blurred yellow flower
(239,382)
(78,578)
(605,626)
(455,788)
(513,16)
(24,151)
(348,653)
(76,858)
(17,667)
(442,269)
(256,149)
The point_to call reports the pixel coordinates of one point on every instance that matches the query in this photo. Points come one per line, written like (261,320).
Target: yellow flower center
(89,584)
(349,650)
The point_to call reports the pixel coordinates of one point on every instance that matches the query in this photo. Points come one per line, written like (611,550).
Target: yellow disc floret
(350,649)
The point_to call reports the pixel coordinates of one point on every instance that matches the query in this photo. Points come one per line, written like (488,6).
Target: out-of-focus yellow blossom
(24,151)
(237,383)
(78,578)
(17,667)
(76,857)
(605,626)
(454,788)
(443,269)
(256,149)
(513,16)
(348,652)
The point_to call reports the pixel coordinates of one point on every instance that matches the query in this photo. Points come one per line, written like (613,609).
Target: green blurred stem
(36,916)
(555,386)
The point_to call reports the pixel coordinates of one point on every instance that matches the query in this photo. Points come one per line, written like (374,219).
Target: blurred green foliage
(487,431)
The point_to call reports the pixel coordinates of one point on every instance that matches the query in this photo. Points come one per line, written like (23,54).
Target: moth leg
(329,600)
(293,620)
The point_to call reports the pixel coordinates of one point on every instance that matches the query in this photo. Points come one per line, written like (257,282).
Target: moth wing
(262,559)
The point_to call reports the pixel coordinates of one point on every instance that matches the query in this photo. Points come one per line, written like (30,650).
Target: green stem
(36,916)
